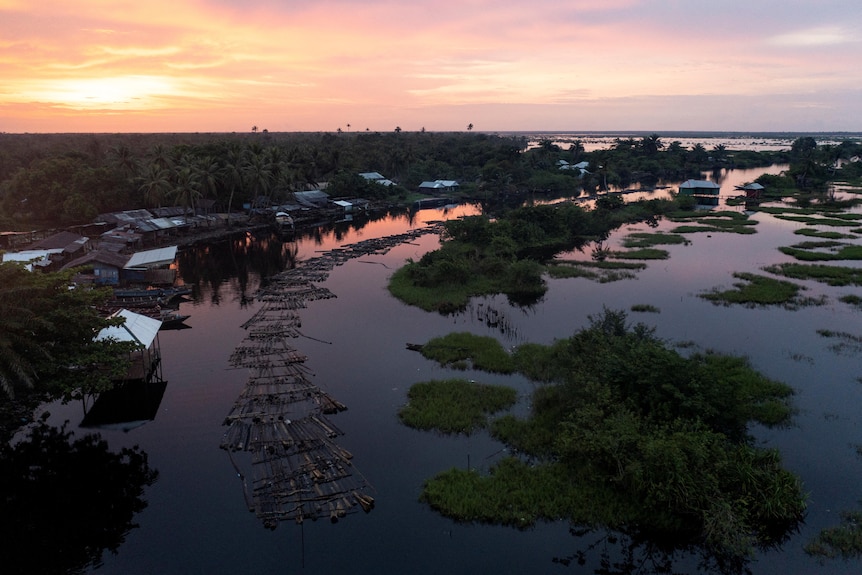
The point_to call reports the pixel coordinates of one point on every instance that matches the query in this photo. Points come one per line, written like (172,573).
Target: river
(197,521)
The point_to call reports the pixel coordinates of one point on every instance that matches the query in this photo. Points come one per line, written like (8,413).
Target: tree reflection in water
(65,501)
(616,553)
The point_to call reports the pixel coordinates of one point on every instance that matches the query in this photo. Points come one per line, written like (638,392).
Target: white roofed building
(142,331)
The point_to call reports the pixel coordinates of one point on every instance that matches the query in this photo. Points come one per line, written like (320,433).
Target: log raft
(280,418)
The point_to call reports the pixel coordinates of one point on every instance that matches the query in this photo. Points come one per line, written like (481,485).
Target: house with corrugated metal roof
(699,188)
(311,198)
(438,186)
(142,332)
(377,178)
(32,259)
(104,266)
(753,191)
(151,266)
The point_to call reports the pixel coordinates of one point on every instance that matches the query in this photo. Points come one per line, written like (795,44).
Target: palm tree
(186,190)
(257,175)
(208,176)
(124,159)
(651,144)
(154,184)
(160,156)
(232,175)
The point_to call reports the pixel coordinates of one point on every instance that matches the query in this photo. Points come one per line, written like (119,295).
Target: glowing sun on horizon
(112,93)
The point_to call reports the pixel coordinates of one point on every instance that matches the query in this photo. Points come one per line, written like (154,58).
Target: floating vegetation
(601,271)
(756,290)
(723,221)
(843,541)
(454,405)
(641,254)
(833,221)
(645,308)
(847,342)
(647,240)
(831,275)
(852,299)
(481,256)
(811,232)
(800,357)
(632,436)
(463,349)
(813,251)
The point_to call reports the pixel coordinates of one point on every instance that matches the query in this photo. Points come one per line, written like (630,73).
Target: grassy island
(454,405)
(630,435)
(480,255)
(755,290)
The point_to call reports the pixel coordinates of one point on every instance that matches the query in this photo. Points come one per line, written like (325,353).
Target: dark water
(197,521)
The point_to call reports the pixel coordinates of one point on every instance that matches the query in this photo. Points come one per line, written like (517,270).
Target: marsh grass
(847,342)
(735,226)
(645,308)
(602,271)
(731,222)
(811,232)
(446,298)
(811,251)
(831,275)
(463,349)
(648,240)
(756,290)
(833,221)
(513,493)
(641,254)
(454,406)
(628,434)
(852,299)
(843,541)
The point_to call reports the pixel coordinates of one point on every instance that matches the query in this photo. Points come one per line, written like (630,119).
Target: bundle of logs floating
(280,419)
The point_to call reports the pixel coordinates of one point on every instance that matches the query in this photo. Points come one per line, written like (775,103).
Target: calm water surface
(197,520)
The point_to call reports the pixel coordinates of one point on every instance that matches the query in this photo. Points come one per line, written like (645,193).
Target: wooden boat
(151,293)
(172,319)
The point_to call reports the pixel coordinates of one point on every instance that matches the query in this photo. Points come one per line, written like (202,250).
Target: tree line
(63,179)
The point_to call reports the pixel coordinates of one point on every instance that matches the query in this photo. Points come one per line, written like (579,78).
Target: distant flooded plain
(197,520)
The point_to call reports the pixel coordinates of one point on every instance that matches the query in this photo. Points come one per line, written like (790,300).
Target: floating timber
(280,419)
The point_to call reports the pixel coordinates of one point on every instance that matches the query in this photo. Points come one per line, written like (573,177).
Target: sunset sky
(542,65)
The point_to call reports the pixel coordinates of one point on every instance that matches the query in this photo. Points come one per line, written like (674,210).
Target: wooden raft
(278,426)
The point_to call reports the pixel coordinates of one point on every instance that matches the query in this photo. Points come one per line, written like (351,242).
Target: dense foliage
(454,405)
(60,179)
(67,500)
(631,435)
(479,255)
(47,335)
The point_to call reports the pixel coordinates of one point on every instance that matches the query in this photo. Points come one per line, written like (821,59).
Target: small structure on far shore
(753,191)
(438,186)
(699,188)
(704,191)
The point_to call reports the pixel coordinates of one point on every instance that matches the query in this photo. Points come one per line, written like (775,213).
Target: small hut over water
(753,191)
(143,331)
(699,188)
(704,191)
